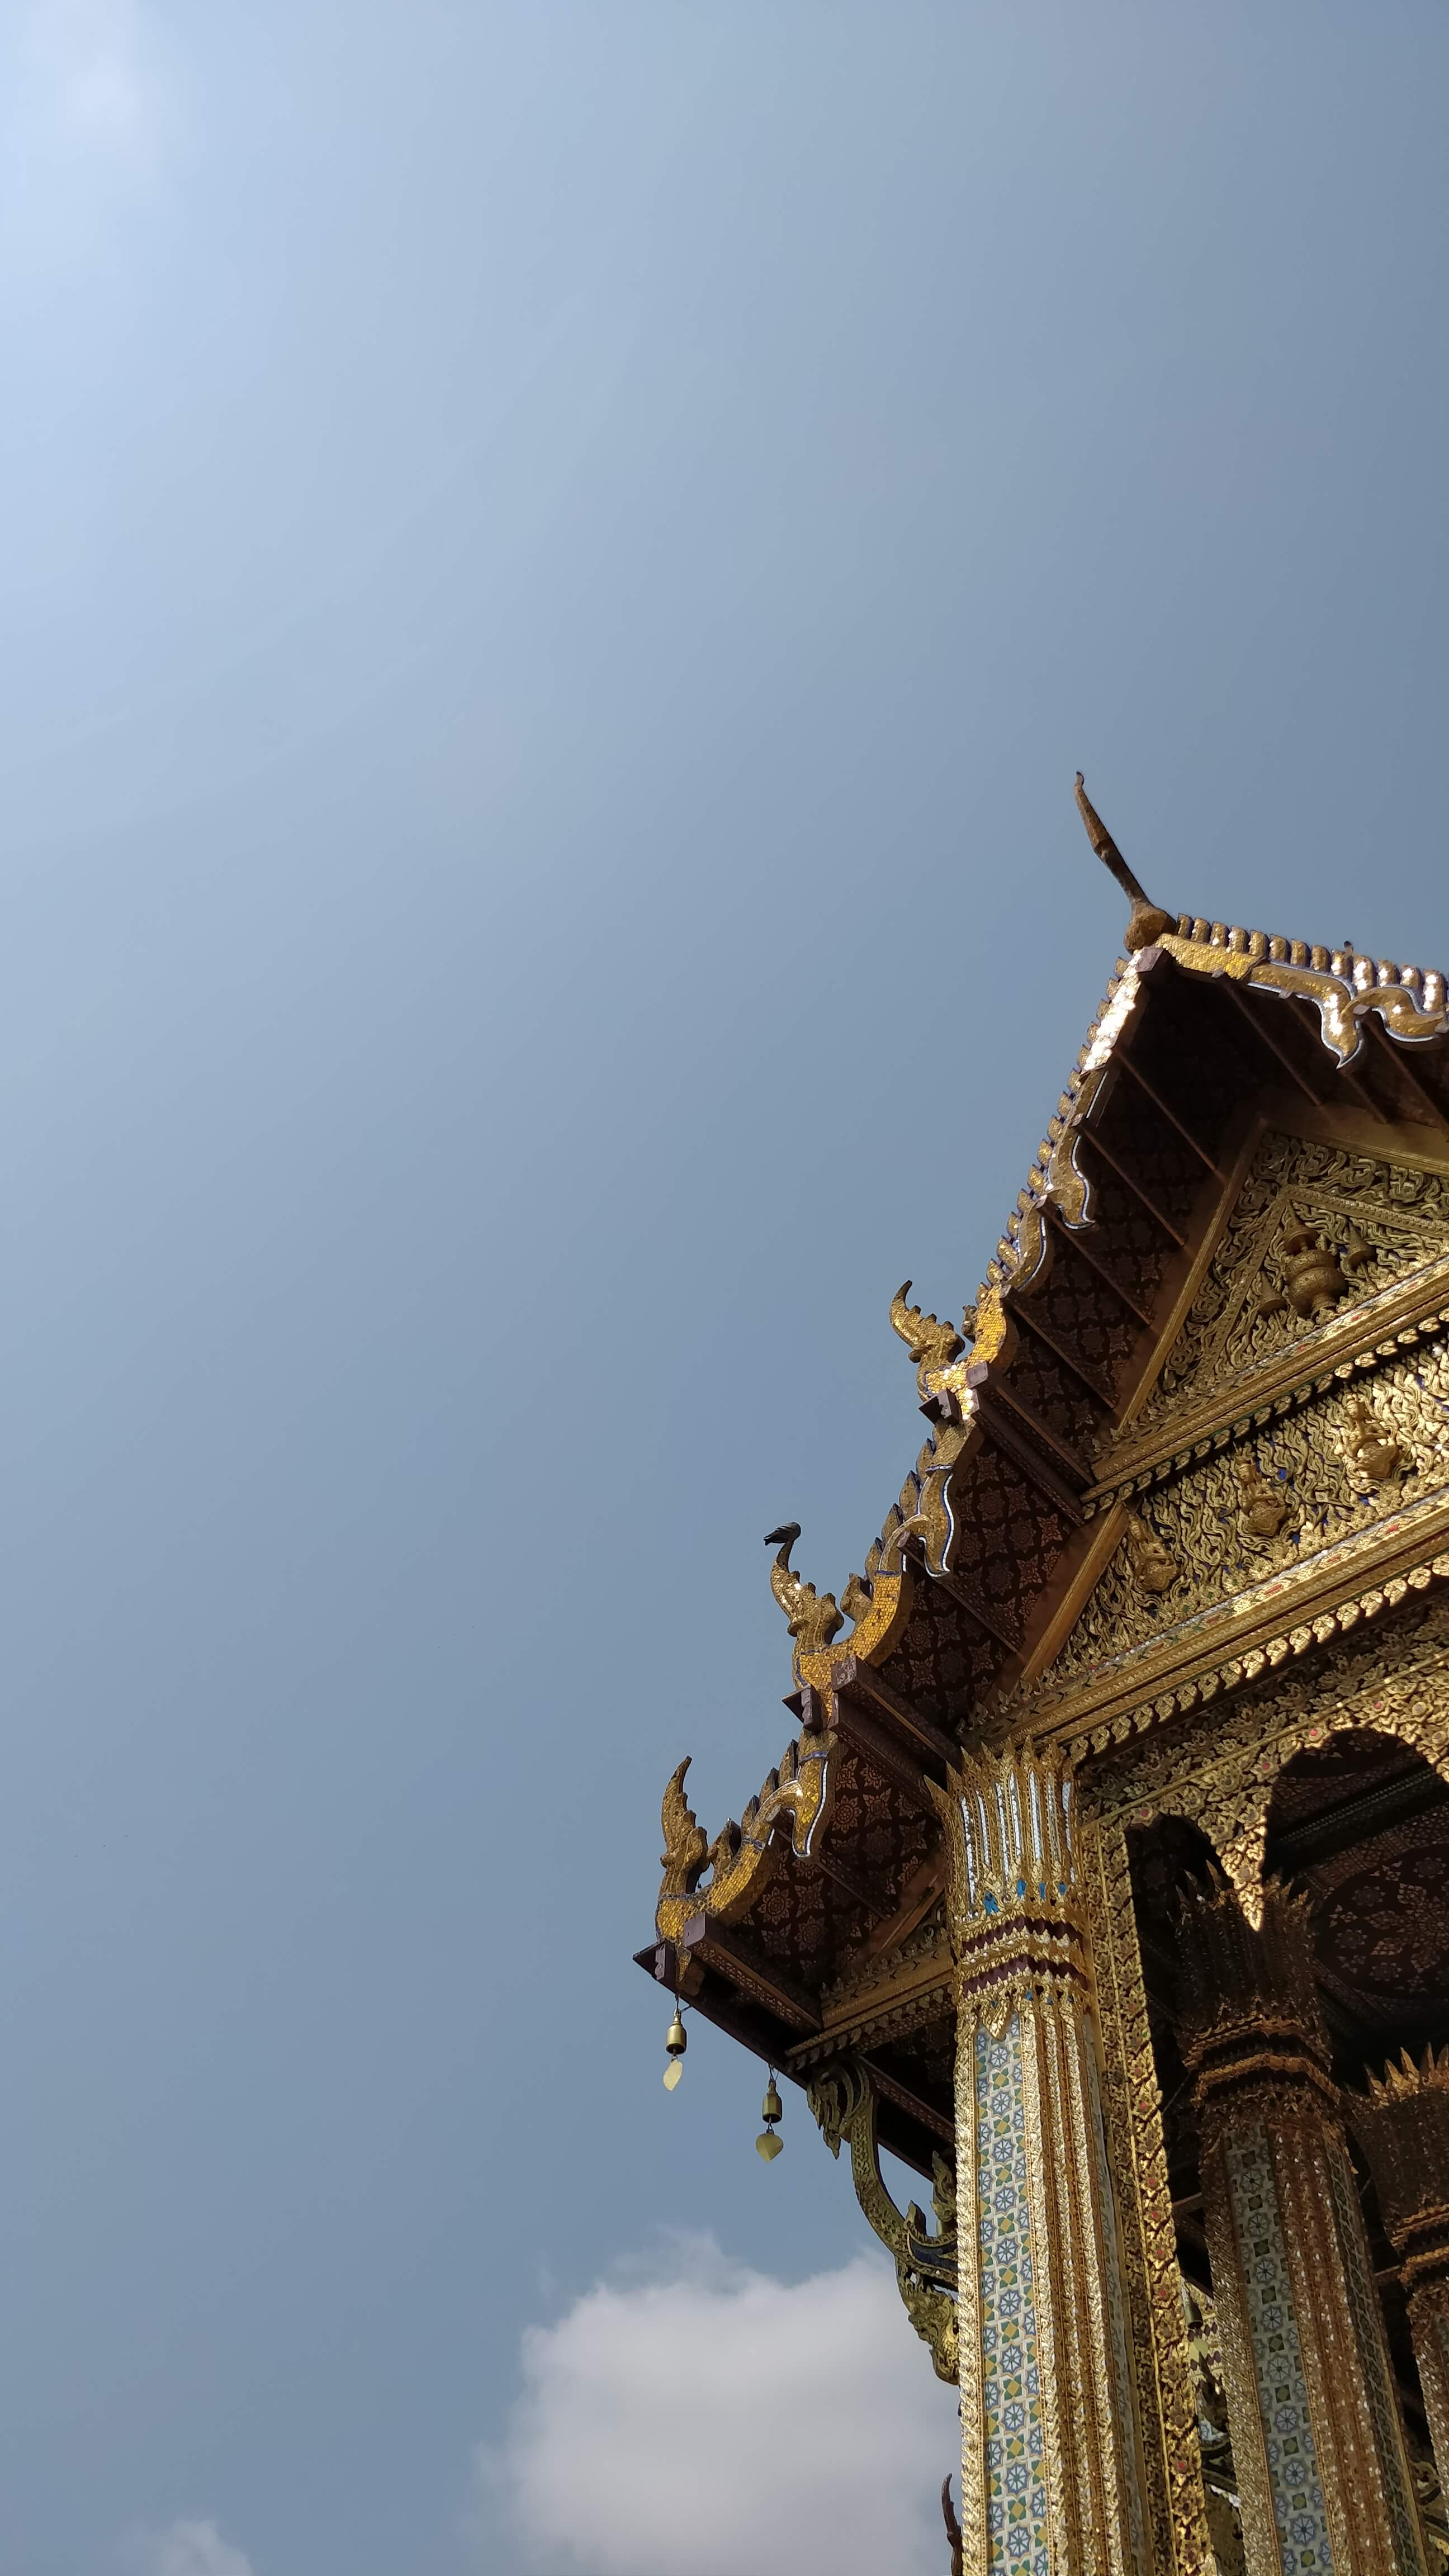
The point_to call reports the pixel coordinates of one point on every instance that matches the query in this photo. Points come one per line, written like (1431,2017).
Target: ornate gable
(1317,1229)
(1299,1415)
(1194,1422)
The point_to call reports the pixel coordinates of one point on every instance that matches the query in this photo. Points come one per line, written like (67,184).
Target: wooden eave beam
(1024,1453)
(1397,1056)
(915,2106)
(918,1896)
(1149,1207)
(1268,1043)
(1340,1077)
(723,2006)
(974,1609)
(717,1953)
(1021,1314)
(1081,1251)
(1150,1092)
(871,1902)
(1073,1466)
(920,1731)
(898,1764)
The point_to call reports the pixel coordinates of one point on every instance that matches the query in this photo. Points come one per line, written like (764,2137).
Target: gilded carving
(932,1345)
(1271,1508)
(1313,1276)
(735,1864)
(1152,1568)
(1265,1506)
(878,1602)
(686,1844)
(1175,2499)
(1222,1781)
(1316,2432)
(1373,1453)
(1403,2125)
(813,1620)
(1048,2372)
(842,2098)
(1316,1228)
(1343,988)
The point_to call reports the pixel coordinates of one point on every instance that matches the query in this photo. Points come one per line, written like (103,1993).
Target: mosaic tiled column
(1050,2477)
(1404,2126)
(1317,2439)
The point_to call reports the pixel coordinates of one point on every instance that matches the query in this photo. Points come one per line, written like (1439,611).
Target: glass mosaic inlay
(1298,2509)
(1018,2535)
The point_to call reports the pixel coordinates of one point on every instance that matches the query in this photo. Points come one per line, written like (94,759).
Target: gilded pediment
(1260,1515)
(1316,1231)
(1299,1425)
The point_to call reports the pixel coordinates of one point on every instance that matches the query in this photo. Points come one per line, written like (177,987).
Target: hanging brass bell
(767,2145)
(772,2108)
(676,2041)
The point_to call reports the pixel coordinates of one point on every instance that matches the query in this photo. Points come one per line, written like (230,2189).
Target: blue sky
(560,559)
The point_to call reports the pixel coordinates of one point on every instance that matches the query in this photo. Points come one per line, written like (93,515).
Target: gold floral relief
(1317,1229)
(1268,1504)
(1220,1773)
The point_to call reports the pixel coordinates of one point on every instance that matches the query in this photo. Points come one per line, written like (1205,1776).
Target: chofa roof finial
(1148,920)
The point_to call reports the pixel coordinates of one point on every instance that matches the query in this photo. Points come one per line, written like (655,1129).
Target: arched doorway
(1362,1821)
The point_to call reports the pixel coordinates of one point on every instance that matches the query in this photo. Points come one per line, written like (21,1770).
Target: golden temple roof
(1041,1422)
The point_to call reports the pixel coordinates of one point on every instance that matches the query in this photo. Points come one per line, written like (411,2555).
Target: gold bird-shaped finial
(814,1618)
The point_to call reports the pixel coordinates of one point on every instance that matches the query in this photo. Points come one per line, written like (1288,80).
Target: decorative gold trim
(1173,1675)
(881,1615)
(1429,2327)
(741,1857)
(968,2304)
(1357,1131)
(843,2099)
(1352,2407)
(1342,1002)
(1132,2110)
(1224,1783)
(1281,1113)
(1017,1915)
(1409,1311)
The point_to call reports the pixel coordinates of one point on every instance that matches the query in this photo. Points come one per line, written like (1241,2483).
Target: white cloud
(97,70)
(188,2549)
(709,2415)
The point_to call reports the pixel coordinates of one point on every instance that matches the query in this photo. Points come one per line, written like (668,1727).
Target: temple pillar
(1317,2440)
(1404,2128)
(1051,2477)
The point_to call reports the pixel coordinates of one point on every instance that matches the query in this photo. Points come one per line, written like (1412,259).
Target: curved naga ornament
(843,2101)
(877,1602)
(813,1619)
(932,1345)
(795,1798)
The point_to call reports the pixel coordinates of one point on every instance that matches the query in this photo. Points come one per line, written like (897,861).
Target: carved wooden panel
(1378,1221)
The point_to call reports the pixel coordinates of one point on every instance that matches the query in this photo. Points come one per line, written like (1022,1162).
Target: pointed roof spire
(1148,921)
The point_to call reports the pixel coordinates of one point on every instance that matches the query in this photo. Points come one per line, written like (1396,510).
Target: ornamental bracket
(843,2100)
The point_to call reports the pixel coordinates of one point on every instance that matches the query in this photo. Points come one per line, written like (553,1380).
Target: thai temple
(1105,1881)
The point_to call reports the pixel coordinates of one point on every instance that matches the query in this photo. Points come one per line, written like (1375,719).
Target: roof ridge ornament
(932,1344)
(1148,920)
(814,1620)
